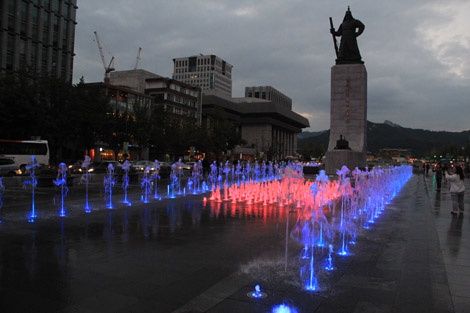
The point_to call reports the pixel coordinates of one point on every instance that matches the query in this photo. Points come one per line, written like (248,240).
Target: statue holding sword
(349,30)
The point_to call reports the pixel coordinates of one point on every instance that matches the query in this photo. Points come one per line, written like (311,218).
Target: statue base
(348,118)
(336,159)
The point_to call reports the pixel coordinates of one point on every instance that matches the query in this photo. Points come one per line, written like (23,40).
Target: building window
(66,9)
(11,7)
(55,4)
(24,10)
(56,23)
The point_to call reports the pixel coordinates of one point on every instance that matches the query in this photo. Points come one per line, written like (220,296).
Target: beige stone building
(270,128)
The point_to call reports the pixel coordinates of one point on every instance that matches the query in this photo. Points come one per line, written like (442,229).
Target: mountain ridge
(393,136)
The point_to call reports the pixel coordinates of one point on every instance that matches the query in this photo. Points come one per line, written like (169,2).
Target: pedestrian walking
(457,190)
(438,175)
(444,171)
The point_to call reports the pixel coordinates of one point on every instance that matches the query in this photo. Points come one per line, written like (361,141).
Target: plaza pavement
(179,255)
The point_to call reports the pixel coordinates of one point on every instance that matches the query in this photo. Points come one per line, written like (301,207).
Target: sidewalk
(454,239)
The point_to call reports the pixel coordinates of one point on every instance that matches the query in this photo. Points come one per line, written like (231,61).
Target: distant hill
(390,135)
(387,122)
(310,134)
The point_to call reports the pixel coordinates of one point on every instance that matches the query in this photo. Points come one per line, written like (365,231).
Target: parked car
(8,167)
(102,167)
(188,166)
(76,168)
(142,165)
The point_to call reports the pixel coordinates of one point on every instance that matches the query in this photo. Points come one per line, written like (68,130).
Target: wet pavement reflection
(160,256)
(454,237)
(156,255)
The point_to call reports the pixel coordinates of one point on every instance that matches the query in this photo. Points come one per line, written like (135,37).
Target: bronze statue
(351,28)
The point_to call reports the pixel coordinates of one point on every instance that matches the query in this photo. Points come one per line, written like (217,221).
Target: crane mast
(110,67)
(137,59)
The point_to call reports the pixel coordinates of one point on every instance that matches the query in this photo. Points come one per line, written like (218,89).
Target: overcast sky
(416,52)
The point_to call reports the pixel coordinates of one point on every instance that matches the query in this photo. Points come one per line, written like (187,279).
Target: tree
(221,134)
(70,117)
(311,150)
(140,126)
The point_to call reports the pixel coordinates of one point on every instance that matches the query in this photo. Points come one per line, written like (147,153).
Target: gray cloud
(418,68)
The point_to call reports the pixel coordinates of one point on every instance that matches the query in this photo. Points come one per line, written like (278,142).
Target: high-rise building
(208,72)
(38,36)
(269,93)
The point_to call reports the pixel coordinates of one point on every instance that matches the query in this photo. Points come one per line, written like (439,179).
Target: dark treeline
(73,118)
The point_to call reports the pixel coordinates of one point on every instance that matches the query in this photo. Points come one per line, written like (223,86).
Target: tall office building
(208,72)
(38,36)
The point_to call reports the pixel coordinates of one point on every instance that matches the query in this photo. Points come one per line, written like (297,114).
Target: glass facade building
(38,36)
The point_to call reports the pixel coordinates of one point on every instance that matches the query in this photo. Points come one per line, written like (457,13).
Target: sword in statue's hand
(332,31)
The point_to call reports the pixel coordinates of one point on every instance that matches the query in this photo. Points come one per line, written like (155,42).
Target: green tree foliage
(311,150)
(70,117)
(221,135)
(73,118)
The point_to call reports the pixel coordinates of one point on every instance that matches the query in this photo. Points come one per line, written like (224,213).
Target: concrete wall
(260,135)
(134,79)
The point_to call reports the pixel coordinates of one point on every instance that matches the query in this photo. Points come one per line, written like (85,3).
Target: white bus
(22,150)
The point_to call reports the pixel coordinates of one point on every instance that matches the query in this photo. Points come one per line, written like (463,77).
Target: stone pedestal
(337,158)
(348,117)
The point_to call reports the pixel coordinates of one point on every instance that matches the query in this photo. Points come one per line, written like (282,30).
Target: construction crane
(107,69)
(137,59)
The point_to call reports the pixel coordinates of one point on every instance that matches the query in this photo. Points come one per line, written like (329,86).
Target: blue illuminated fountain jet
(109,181)
(179,166)
(146,185)
(257,293)
(173,180)
(227,170)
(86,177)
(125,180)
(238,172)
(61,182)
(283,308)
(2,190)
(329,266)
(31,167)
(213,175)
(156,176)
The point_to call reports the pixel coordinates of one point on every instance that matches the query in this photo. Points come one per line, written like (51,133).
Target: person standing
(444,171)
(457,190)
(438,175)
